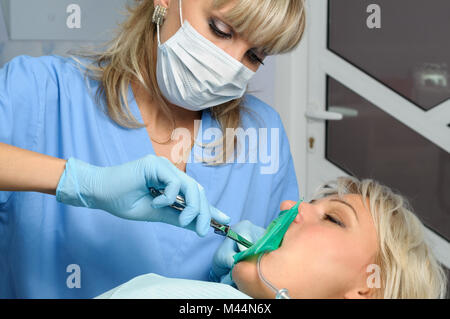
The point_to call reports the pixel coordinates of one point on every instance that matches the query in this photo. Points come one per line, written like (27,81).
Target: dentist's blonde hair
(408,267)
(274,26)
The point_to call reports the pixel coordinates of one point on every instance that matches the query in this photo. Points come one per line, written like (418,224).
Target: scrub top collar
(142,138)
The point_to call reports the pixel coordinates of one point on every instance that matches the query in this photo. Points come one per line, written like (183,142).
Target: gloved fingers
(159,171)
(258,232)
(170,194)
(226,279)
(248,230)
(213,277)
(192,198)
(219,216)
(247,234)
(204,217)
(223,258)
(242,247)
(219,272)
(143,211)
(166,215)
(203,224)
(242,225)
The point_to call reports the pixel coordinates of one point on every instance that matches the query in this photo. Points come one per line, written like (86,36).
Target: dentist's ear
(164,3)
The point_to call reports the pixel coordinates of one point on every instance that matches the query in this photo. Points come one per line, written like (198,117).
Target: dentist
(82,139)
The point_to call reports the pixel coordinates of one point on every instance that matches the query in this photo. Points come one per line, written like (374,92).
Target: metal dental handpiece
(220,229)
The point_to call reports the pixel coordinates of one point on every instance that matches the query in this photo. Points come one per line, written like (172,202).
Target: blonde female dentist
(96,133)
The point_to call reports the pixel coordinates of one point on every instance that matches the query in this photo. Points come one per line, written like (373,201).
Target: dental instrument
(271,240)
(220,229)
(273,236)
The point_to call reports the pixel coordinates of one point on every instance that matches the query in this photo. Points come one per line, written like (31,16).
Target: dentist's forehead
(271,26)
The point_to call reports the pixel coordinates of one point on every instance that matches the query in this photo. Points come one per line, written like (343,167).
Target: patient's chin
(245,276)
(238,273)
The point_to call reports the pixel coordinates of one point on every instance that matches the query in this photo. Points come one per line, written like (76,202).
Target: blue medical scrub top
(52,250)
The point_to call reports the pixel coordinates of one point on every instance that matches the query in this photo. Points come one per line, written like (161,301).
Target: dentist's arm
(121,190)
(23,170)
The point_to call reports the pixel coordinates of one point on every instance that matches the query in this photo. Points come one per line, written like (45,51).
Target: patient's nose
(287,204)
(306,212)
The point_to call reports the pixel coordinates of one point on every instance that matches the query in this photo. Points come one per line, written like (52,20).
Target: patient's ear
(359,293)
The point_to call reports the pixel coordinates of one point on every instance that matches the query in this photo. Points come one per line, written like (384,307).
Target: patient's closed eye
(332,219)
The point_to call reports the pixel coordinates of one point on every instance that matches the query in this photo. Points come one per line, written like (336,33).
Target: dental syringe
(220,229)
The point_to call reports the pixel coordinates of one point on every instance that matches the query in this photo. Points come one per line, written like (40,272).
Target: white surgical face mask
(194,73)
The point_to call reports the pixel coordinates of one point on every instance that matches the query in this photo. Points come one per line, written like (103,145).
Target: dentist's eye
(254,58)
(333,220)
(215,29)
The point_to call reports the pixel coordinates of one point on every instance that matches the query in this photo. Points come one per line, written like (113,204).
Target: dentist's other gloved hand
(123,191)
(223,258)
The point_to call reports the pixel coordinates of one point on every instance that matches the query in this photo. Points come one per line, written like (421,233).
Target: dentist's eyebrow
(220,16)
(347,204)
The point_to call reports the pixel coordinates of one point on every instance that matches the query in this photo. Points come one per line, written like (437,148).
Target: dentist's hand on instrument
(124,192)
(223,258)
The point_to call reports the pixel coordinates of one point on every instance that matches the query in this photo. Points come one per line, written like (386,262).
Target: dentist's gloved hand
(124,192)
(223,258)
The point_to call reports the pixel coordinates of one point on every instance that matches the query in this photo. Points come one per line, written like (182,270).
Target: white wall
(291,76)
(263,84)
(10,49)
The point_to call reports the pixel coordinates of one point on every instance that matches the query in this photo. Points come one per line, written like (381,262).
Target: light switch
(84,20)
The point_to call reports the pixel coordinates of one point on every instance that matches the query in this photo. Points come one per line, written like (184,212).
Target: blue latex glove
(124,192)
(223,257)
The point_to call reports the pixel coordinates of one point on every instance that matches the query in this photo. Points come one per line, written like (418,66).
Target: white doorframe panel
(291,91)
(317,44)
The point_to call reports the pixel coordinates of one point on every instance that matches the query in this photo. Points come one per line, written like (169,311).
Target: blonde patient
(330,248)
(355,239)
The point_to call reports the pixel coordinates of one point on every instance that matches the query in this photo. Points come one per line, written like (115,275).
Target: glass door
(378,101)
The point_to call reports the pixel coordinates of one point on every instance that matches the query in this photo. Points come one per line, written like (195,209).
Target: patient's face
(324,253)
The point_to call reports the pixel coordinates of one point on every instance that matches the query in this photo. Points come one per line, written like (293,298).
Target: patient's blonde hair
(409,268)
(274,26)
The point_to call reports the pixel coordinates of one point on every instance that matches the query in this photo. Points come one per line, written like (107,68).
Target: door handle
(317,115)
(344,110)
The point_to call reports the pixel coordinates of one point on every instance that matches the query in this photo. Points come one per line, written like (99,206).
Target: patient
(356,239)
